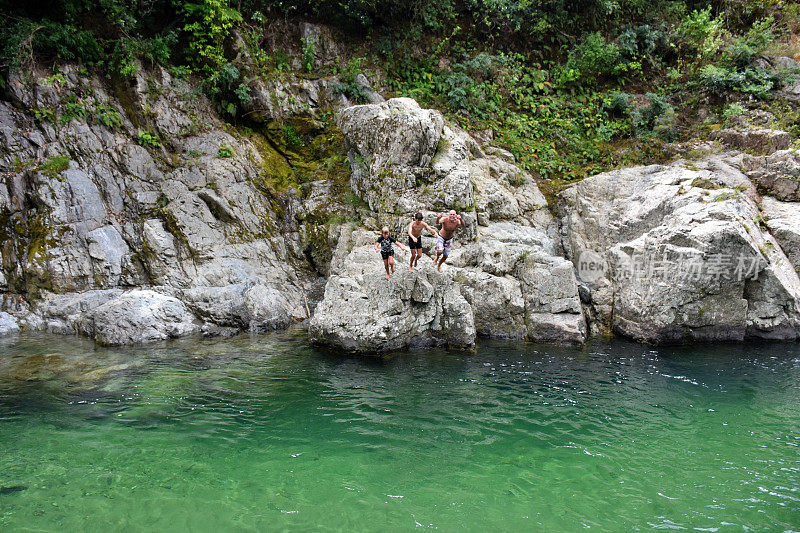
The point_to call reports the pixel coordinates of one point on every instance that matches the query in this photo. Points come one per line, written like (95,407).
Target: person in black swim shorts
(415,239)
(385,242)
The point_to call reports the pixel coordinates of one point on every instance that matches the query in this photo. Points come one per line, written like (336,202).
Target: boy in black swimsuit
(385,241)
(415,239)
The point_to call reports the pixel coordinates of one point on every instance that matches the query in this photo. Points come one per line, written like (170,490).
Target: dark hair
(418,216)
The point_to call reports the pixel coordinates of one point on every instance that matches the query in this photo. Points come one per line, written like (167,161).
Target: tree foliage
(561,83)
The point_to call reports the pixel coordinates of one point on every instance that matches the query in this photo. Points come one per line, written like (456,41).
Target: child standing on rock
(385,242)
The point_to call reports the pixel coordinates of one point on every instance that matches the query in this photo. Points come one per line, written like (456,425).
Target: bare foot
(410,269)
(387,277)
(441,269)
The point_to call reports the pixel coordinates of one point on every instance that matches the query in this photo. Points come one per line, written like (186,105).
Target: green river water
(266,433)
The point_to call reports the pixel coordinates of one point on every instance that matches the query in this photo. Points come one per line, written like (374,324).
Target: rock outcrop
(144,216)
(91,205)
(363,312)
(777,174)
(670,254)
(8,325)
(755,140)
(505,277)
(138,316)
(783,221)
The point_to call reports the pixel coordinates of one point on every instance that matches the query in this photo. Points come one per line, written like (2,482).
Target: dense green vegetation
(568,87)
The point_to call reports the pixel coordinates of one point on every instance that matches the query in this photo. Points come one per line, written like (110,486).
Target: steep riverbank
(132,212)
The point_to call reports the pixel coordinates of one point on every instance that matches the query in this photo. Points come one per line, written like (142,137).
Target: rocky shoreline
(129,242)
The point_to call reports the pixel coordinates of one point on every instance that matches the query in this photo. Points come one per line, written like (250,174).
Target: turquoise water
(269,434)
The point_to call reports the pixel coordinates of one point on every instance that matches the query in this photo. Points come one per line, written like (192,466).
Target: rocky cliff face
(661,254)
(684,255)
(131,212)
(109,187)
(506,276)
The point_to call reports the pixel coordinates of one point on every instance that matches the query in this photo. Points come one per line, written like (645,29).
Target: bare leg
(411,263)
(391,263)
(444,258)
(419,254)
(386,266)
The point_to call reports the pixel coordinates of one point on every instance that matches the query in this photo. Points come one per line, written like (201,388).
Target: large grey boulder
(783,221)
(391,150)
(553,310)
(519,286)
(138,316)
(505,262)
(754,140)
(508,284)
(363,312)
(405,159)
(63,313)
(668,254)
(776,175)
(498,306)
(255,308)
(267,308)
(8,325)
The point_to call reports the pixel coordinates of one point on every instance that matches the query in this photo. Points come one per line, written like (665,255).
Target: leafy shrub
(107,116)
(740,54)
(73,109)
(720,79)
(645,43)
(225,152)
(790,17)
(309,50)
(592,60)
(787,76)
(617,104)
(761,33)
(459,87)
(210,23)
(43,114)
(701,32)
(67,43)
(147,139)
(56,80)
(21,41)
(242,92)
(348,85)
(128,51)
(757,82)
(227,87)
(658,118)
(731,111)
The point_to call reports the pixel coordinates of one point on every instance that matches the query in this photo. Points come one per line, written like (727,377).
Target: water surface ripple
(266,433)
